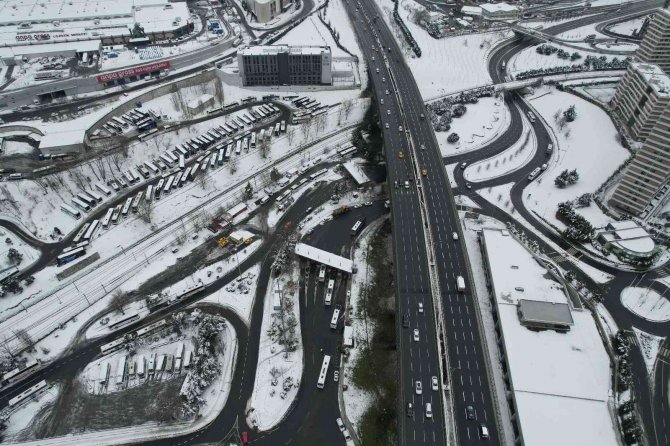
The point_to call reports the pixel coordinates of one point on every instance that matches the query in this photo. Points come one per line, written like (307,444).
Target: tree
(145,211)
(14,256)
(570,114)
(274,174)
(452,138)
(232,165)
(566,178)
(119,300)
(248,191)
(584,200)
(347,106)
(264,147)
(23,336)
(291,135)
(459,110)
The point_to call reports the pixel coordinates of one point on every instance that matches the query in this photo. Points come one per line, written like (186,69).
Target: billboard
(136,71)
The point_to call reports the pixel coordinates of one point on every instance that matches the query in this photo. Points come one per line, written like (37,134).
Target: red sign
(137,71)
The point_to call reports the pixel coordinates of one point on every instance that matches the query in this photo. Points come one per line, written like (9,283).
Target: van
(460,283)
(544,167)
(483,432)
(429,410)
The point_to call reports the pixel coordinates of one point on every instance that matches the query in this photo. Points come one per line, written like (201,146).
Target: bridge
(574,44)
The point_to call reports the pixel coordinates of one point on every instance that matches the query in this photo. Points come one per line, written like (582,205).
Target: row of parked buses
(137,118)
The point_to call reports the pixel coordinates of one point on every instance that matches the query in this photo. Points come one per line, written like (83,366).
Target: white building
(499,11)
(264,10)
(200,104)
(558,372)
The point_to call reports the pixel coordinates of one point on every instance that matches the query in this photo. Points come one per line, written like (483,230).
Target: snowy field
(482,123)
(9,240)
(646,303)
(601,93)
(238,295)
(279,372)
(19,423)
(313,33)
(628,27)
(507,161)
(588,144)
(447,65)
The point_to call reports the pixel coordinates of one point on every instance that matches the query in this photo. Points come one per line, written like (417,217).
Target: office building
(285,65)
(655,45)
(641,97)
(264,10)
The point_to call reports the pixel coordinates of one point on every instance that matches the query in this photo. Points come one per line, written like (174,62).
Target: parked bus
(116,214)
(88,235)
(149,193)
(120,122)
(136,201)
(335,318)
(245,145)
(282,127)
(238,147)
(277,127)
(324,371)
(81,233)
(81,205)
(322,273)
(168,184)
(317,174)
(13,402)
(126,206)
(166,159)
(86,198)
(96,196)
(70,256)
(329,292)
(103,189)
(531,116)
(534,174)
(70,211)
(129,177)
(219,159)
(17,373)
(245,120)
(358,227)
(152,167)
(107,218)
(253,140)
(144,136)
(184,177)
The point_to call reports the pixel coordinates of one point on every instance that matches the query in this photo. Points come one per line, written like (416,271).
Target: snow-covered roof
(628,235)
(260,50)
(654,77)
(61,47)
(202,99)
(241,235)
(471,10)
(356,171)
(52,140)
(498,7)
(558,379)
(325,257)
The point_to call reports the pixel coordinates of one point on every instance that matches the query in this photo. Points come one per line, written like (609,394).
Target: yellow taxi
(424,172)
(401,155)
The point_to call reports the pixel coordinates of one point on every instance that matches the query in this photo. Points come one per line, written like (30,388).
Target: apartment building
(285,65)
(655,45)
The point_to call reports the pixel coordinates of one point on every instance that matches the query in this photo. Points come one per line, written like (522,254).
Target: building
(474,11)
(655,45)
(200,104)
(285,65)
(555,366)
(647,172)
(641,97)
(24,23)
(66,141)
(499,11)
(324,257)
(264,10)
(630,242)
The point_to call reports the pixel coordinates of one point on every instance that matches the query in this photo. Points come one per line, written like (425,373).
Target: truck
(340,211)
(460,284)
(550,148)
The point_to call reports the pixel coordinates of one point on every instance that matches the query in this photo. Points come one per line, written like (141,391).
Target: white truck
(460,284)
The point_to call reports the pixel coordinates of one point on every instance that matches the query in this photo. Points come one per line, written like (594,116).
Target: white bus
(95,195)
(182,161)
(177,179)
(168,184)
(136,201)
(107,218)
(245,120)
(219,159)
(238,147)
(120,122)
(322,273)
(152,167)
(116,214)
(212,161)
(166,159)
(329,292)
(70,211)
(253,140)
(103,189)
(91,230)
(282,128)
(81,205)
(277,128)
(335,318)
(534,174)
(324,371)
(126,206)
(150,192)
(86,198)
(81,233)
(184,177)
(245,144)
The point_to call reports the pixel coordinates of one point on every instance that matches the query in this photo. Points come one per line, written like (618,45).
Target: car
(388,112)
(347,437)
(410,410)
(463,165)
(386,125)
(336,375)
(400,128)
(245,438)
(423,147)
(543,167)
(454,235)
(377,70)
(382,101)
(373,58)
(433,383)
(416,335)
(422,116)
(470,413)
(424,172)
(395,184)
(340,425)
(125,94)
(468,185)
(308,210)
(387,92)
(406,184)
(368,203)
(420,307)
(483,432)
(401,155)
(384,79)
(405,320)
(418,387)
(429,410)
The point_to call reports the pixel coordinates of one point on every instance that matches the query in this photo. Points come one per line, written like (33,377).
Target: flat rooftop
(560,381)
(654,77)
(325,257)
(545,312)
(261,50)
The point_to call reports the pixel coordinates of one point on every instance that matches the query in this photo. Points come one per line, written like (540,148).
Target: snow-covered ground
(481,123)
(507,161)
(19,421)
(447,65)
(103,326)
(601,93)
(588,144)
(649,345)
(279,372)
(646,303)
(15,148)
(9,240)
(239,294)
(581,33)
(628,27)
(314,33)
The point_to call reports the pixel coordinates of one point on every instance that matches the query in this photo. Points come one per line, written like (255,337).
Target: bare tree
(320,123)
(264,147)
(145,211)
(116,158)
(347,107)
(23,336)
(291,135)
(100,164)
(232,165)
(202,181)
(119,300)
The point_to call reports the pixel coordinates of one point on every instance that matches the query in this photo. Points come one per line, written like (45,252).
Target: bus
(534,174)
(245,120)
(13,402)
(144,171)
(81,205)
(70,211)
(116,214)
(282,127)
(136,201)
(277,128)
(329,292)
(166,159)
(70,256)
(238,147)
(177,179)
(184,177)
(212,161)
(112,346)
(322,273)
(149,193)
(358,226)
(126,206)
(96,196)
(152,167)
(86,198)
(107,218)
(283,196)
(182,151)
(317,174)
(182,161)
(88,235)
(144,136)
(245,144)
(531,116)
(324,371)
(335,318)
(219,159)
(120,122)
(81,233)
(261,114)
(253,140)
(168,184)
(103,189)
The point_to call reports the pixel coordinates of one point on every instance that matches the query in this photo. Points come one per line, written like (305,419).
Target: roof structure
(260,50)
(471,10)
(325,257)
(537,312)
(356,171)
(54,140)
(498,7)
(654,77)
(628,235)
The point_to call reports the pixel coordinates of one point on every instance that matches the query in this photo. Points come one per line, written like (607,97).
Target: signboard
(42,36)
(137,71)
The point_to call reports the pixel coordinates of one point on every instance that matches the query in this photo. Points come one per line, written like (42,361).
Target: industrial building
(499,11)
(655,45)
(641,97)
(285,65)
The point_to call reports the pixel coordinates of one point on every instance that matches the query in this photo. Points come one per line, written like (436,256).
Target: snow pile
(646,303)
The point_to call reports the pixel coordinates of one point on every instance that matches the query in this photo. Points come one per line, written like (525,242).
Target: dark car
(405,320)
(410,410)
(469,413)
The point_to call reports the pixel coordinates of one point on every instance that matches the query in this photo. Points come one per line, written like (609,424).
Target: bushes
(405,31)
(453,138)
(590,63)
(442,111)
(579,229)
(566,178)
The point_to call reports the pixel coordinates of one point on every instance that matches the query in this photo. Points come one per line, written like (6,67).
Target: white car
(454,235)
(387,92)
(386,125)
(382,100)
(377,70)
(340,425)
(433,383)
(418,387)
(420,307)
(388,112)
(416,335)
(400,128)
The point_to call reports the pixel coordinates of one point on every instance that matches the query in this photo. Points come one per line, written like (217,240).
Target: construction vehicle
(340,211)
